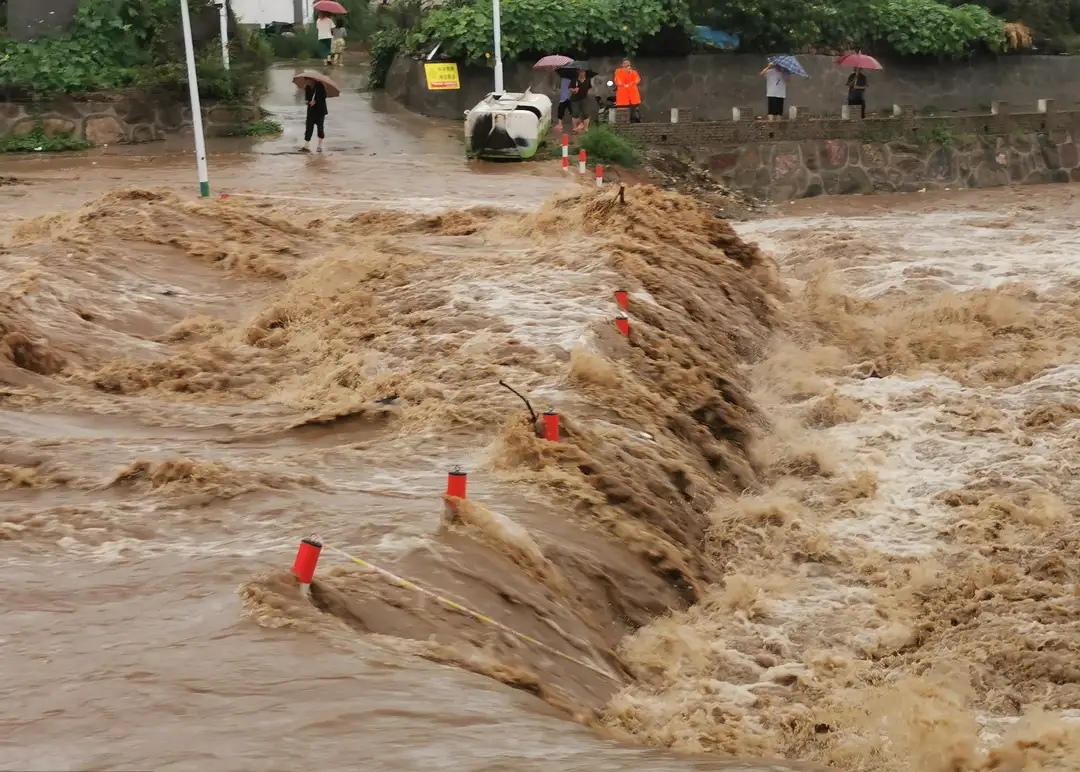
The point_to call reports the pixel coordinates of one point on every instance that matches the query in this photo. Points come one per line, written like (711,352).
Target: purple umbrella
(553,62)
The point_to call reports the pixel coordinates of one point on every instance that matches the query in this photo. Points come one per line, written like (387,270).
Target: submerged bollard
(623,323)
(307,558)
(566,152)
(456,484)
(622,297)
(551,426)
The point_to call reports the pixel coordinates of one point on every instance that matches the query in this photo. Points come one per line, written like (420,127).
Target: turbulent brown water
(820,509)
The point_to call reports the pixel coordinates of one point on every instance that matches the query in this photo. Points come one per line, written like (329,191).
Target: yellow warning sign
(442,76)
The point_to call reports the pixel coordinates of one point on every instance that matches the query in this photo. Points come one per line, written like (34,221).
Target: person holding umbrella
(579,107)
(324,29)
(856,82)
(554,63)
(776,81)
(856,89)
(317,89)
(777,74)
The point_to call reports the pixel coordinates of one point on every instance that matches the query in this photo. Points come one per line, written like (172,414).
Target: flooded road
(855,465)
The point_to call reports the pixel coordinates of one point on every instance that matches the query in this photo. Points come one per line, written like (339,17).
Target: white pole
(496,14)
(196,108)
(223,15)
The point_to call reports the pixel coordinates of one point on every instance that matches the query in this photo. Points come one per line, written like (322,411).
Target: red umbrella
(863,61)
(329,6)
(553,62)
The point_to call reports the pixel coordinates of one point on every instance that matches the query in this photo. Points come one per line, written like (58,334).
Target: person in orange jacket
(626,90)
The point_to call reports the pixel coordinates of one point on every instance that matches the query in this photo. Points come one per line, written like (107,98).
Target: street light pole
(196,108)
(496,14)
(223,16)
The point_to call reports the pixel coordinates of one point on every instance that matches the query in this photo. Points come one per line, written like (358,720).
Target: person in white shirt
(776,81)
(324,25)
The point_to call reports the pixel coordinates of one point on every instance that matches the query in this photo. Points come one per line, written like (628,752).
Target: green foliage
(114,44)
(905,27)
(301,44)
(926,27)
(38,141)
(360,21)
(772,26)
(604,146)
(536,27)
(263,128)
(385,45)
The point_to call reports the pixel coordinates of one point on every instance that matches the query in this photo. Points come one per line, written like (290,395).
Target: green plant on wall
(38,141)
(385,45)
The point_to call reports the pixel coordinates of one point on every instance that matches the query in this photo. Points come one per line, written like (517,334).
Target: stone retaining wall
(800,158)
(108,120)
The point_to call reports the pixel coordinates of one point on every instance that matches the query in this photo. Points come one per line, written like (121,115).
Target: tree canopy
(945,29)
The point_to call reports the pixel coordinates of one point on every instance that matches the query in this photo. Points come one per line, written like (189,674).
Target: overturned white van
(507,126)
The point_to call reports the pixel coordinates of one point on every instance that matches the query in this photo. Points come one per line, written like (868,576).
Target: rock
(834,154)
(939,166)
(23,127)
(1067,155)
(142,134)
(784,166)
(853,179)
(58,127)
(103,130)
(989,175)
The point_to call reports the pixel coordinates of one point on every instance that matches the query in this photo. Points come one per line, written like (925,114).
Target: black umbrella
(571,70)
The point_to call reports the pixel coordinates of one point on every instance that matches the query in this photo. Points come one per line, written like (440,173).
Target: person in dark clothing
(856,89)
(579,108)
(315,97)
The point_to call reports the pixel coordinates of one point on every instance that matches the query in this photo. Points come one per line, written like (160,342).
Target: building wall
(711,84)
(261,12)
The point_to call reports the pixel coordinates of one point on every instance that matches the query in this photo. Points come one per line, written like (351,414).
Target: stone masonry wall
(800,158)
(114,119)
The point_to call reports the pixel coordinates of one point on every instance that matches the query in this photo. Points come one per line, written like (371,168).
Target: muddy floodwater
(818,509)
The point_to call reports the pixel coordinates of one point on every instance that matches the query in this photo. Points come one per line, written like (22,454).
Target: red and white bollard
(456,484)
(307,558)
(623,323)
(599,176)
(566,152)
(551,426)
(581,163)
(622,297)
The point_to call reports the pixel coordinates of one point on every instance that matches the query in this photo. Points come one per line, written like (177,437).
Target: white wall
(263,11)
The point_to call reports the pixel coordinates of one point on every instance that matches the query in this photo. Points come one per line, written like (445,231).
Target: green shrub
(302,44)
(603,145)
(38,141)
(385,45)
(263,128)
(114,44)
